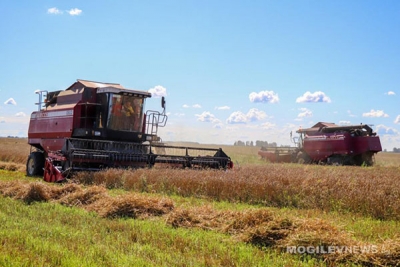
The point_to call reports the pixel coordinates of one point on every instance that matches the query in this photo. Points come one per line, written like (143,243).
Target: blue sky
(230,70)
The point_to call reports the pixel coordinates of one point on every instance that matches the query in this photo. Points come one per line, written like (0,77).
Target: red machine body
(93,125)
(330,144)
(354,144)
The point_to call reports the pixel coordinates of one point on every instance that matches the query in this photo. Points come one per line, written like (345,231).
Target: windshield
(125,113)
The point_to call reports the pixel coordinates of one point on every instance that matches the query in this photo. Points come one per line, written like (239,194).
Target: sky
(229,70)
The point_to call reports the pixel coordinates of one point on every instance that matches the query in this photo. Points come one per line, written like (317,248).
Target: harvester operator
(128,111)
(116,112)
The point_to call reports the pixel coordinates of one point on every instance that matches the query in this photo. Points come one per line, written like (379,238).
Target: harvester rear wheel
(35,164)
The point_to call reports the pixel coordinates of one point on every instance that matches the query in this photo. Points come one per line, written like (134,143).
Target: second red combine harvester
(92,126)
(328,143)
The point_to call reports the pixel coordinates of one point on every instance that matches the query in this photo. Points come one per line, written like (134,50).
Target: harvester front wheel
(367,159)
(35,164)
(300,158)
(303,158)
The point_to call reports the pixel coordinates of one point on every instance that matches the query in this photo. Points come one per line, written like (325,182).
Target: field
(258,214)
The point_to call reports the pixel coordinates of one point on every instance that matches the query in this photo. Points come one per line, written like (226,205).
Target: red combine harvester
(328,143)
(91,126)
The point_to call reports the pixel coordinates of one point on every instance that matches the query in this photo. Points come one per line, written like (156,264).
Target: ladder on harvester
(154,119)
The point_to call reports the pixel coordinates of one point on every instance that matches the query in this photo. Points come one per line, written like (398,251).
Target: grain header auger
(328,143)
(91,126)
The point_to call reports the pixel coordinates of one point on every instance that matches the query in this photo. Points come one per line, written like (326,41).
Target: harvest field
(258,214)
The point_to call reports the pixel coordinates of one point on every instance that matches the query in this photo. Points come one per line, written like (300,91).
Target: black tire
(35,164)
(300,158)
(367,159)
(303,158)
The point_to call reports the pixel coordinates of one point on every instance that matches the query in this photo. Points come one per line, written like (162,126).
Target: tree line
(257,143)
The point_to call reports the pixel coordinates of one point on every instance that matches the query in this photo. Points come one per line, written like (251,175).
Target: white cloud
(207,117)
(255,115)
(382,129)
(193,106)
(390,93)
(316,97)
(54,11)
(237,117)
(158,91)
(264,97)
(375,114)
(10,101)
(305,112)
(74,12)
(222,108)
(344,123)
(20,114)
(252,115)
(267,125)
(351,114)
(397,120)
(218,126)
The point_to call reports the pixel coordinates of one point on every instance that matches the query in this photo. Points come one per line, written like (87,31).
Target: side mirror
(163,102)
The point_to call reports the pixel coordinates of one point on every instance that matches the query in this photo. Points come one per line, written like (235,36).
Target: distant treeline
(396,150)
(257,143)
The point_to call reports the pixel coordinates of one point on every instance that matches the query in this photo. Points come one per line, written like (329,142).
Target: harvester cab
(92,126)
(111,114)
